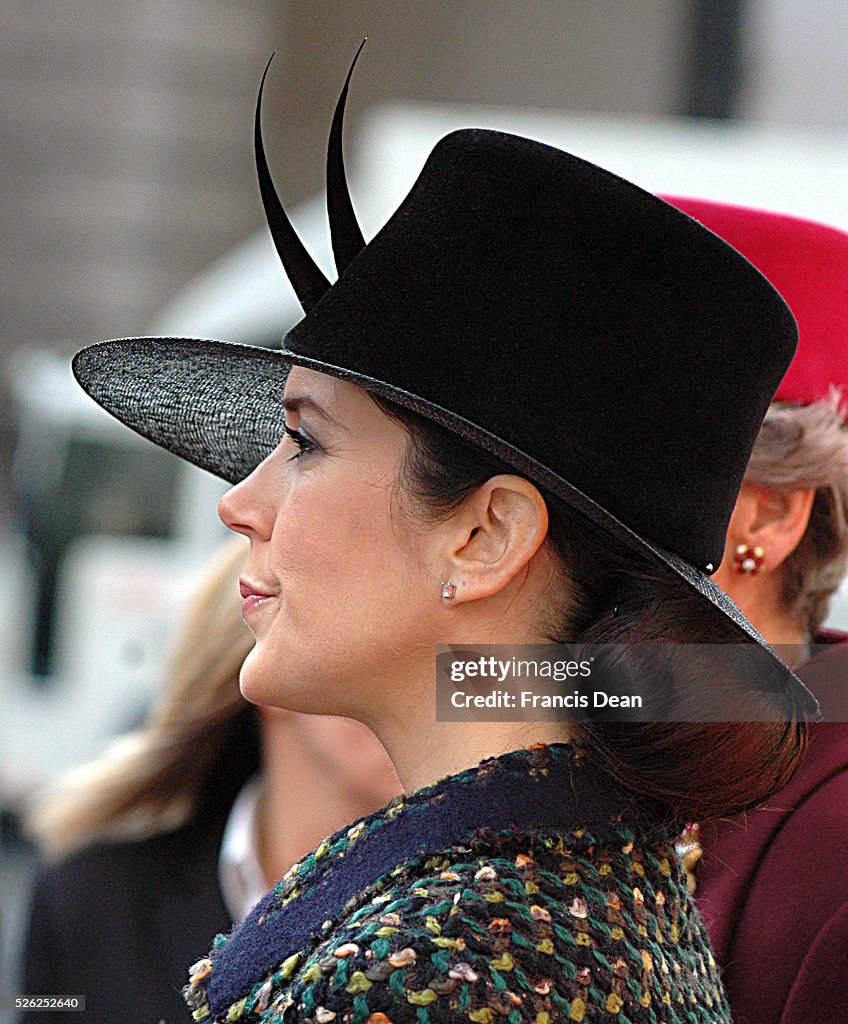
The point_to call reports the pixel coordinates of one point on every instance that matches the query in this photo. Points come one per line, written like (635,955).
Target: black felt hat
(592,336)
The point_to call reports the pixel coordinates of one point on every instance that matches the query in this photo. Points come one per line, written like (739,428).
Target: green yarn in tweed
(510,973)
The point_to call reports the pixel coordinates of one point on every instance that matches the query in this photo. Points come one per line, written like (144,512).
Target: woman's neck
(452,747)
(761,599)
(778,624)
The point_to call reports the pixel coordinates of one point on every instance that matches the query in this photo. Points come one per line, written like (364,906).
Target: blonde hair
(802,447)
(154,779)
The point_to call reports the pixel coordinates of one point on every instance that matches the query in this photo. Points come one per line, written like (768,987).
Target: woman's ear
(494,536)
(768,522)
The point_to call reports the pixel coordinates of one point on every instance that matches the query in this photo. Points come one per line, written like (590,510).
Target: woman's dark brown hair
(616,596)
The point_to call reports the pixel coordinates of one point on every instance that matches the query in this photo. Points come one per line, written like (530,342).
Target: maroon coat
(773,888)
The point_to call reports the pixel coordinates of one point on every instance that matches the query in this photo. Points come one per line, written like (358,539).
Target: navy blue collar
(547,789)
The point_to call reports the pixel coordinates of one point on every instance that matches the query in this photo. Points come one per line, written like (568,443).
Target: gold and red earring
(748,559)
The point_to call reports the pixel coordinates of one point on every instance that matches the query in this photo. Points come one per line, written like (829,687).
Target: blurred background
(128,206)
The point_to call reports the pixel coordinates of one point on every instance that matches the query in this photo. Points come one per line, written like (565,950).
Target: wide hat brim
(218,405)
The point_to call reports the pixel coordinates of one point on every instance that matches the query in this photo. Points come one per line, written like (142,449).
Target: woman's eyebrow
(297,403)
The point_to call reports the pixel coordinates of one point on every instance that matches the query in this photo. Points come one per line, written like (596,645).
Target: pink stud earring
(448,590)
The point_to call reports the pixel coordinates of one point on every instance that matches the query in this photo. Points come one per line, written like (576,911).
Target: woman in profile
(515,418)
(785,556)
(180,827)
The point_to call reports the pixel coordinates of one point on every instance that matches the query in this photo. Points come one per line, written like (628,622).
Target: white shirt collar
(239,873)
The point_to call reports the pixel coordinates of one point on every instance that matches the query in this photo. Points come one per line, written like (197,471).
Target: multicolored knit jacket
(528,889)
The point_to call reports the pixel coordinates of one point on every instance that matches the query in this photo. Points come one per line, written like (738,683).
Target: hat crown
(579,319)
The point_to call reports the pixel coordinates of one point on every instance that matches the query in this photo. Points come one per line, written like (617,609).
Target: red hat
(808,264)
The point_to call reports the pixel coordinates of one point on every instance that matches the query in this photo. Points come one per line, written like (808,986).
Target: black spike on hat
(554,314)
(307,280)
(344,229)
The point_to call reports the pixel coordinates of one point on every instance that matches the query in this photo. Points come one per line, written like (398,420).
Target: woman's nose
(243,509)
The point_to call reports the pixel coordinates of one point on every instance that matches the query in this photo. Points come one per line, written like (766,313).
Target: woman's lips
(253,597)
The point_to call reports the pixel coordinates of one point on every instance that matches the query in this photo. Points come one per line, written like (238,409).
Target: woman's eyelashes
(304,443)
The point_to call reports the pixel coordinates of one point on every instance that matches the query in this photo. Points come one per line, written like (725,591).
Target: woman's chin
(262,682)
(257,682)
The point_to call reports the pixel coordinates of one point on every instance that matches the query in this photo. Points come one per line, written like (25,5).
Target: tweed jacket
(528,889)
